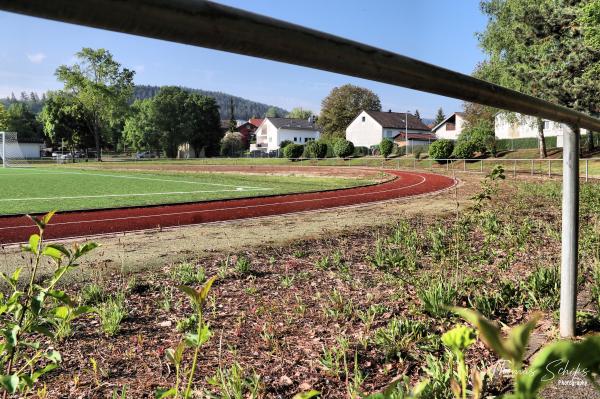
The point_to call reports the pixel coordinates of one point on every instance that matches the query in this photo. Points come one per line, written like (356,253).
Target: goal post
(11,151)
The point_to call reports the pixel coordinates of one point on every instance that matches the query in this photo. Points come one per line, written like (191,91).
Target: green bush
(441,149)
(315,149)
(524,143)
(464,149)
(343,148)
(481,136)
(386,147)
(291,151)
(284,144)
(361,151)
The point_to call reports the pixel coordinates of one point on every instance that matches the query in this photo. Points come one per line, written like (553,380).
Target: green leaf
(190,292)
(162,393)
(84,249)
(459,339)
(54,356)
(78,311)
(42,330)
(46,218)
(206,288)
(62,312)
(488,331)
(60,248)
(62,297)
(9,382)
(37,302)
(52,252)
(307,394)
(518,337)
(38,222)
(34,241)
(11,335)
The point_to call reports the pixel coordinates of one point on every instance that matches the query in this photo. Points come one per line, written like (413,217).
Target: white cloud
(36,58)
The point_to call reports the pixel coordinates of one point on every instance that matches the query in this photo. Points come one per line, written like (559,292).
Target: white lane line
(237,189)
(423,180)
(92,173)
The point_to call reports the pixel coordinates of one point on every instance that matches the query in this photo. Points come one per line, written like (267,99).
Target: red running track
(15,229)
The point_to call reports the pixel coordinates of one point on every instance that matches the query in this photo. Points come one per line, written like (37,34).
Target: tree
(272,112)
(299,113)
(232,144)
(386,147)
(292,151)
(539,47)
(102,88)
(464,149)
(315,149)
(232,121)
(20,119)
(139,130)
(3,118)
(481,136)
(170,119)
(205,124)
(342,105)
(439,117)
(64,121)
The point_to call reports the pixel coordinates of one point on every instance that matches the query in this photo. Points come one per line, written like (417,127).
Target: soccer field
(35,190)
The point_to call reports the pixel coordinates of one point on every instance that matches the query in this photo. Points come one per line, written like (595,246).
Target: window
(295,139)
(363,118)
(546,125)
(305,139)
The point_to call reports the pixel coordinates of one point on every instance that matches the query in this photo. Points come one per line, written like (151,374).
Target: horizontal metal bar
(206,24)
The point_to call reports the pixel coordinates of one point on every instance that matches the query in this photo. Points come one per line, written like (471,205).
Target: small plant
(457,341)
(188,273)
(166,298)
(323,263)
(543,288)
(298,253)
(112,312)
(187,324)
(334,358)
(437,240)
(287,281)
(30,309)
(242,265)
(489,187)
(224,268)
(92,294)
(193,340)
(399,336)
(233,383)
(368,316)
(339,307)
(436,296)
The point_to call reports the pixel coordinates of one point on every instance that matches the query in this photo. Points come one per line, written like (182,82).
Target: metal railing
(206,24)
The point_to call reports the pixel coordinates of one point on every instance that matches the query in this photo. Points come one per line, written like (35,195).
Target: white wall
(443,133)
(525,126)
(295,136)
(22,150)
(364,133)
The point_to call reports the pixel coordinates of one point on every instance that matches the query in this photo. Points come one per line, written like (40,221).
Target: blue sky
(441,32)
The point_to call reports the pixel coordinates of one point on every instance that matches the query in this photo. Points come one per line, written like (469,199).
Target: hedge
(524,143)
(293,151)
(361,151)
(343,148)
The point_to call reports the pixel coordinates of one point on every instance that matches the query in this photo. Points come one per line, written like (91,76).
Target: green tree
(205,124)
(20,119)
(170,119)
(3,118)
(64,121)
(232,144)
(441,149)
(343,148)
(539,47)
(342,105)
(272,113)
(439,117)
(101,86)
(315,149)
(299,113)
(386,147)
(139,130)
(232,121)
(481,136)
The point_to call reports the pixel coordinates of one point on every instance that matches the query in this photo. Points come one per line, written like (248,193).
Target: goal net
(13,153)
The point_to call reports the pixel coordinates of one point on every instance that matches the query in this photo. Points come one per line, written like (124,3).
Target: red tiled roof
(256,121)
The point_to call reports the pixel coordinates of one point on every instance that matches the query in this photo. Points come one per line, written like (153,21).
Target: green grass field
(33,190)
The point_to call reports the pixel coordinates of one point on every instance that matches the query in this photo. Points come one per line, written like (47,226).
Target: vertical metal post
(532,167)
(481,169)
(464,164)
(549,168)
(447,165)
(515,168)
(586,170)
(570,232)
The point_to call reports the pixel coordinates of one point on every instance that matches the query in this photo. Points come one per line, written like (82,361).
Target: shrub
(188,273)
(361,151)
(292,151)
(385,147)
(481,137)
(464,149)
(284,144)
(111,313)
(232,144)
(92,294)
(398,336)
(543,288)
(343,148)
(315,149)
(441,149)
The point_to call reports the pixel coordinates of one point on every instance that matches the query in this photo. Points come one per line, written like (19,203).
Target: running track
(15,229)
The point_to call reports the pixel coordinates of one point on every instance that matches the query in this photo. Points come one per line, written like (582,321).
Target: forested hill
(243,108)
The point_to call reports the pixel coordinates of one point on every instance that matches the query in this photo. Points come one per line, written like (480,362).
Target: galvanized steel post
(570,232)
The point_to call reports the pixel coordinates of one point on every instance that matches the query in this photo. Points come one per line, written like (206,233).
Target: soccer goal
(13,153)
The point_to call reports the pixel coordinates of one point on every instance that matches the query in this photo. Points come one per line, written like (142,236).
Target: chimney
(389,110)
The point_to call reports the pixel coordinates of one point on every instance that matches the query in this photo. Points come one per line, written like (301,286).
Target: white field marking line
(127,177)
(238,189)
(231,221)
(225,209)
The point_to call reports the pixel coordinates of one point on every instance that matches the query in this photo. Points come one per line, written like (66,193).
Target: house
(272,131)
(370,127)
(518,126)
(247,131)
(451,127)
